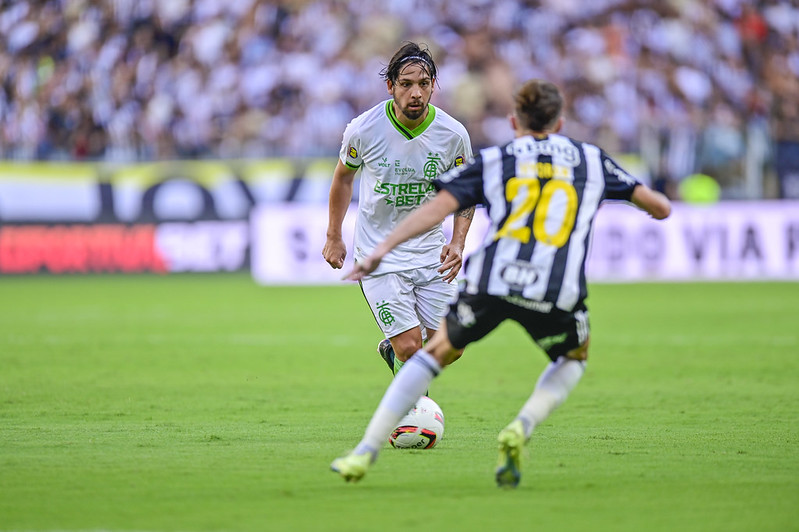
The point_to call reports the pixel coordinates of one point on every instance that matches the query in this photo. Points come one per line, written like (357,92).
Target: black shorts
(556,331)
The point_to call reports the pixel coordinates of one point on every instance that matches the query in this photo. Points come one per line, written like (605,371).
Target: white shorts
(401,301)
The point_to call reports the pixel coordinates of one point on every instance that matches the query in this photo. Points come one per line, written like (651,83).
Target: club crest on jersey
(519,274)
(431,166)
(353,153)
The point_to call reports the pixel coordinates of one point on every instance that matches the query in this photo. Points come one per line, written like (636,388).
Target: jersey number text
(538,199)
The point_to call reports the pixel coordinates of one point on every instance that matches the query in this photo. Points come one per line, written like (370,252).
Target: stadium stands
(691,86)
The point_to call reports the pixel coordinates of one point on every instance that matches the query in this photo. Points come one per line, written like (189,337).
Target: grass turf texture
(209,403)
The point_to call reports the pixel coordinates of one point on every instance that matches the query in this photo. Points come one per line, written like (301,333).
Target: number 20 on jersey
(528,196)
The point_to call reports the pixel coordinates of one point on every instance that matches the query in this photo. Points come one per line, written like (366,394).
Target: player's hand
(335,252)
(452,260)
(363,268)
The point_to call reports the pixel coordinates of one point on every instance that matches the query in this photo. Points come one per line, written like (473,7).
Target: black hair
(538,105)
(409,53)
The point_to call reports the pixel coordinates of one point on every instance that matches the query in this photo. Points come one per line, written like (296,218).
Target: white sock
(410,383)
(553,387)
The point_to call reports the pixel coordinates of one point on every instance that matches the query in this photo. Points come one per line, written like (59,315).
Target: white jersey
(397,167)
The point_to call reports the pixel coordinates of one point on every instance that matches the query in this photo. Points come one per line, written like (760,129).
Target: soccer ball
(421,428)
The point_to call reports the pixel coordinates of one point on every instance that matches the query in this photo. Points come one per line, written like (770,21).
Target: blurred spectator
(138,79)
(785,123)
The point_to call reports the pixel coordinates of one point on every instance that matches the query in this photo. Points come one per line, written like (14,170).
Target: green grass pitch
(208,403)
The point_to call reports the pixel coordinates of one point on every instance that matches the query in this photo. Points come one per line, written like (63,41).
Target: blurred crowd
(693,86)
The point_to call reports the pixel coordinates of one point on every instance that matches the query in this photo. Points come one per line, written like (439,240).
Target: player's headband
(416,59)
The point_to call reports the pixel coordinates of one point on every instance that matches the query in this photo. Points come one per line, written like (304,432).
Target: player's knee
(404,348)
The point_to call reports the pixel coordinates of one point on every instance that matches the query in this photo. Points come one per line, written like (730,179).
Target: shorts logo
(459,160)
(465,315)
(353,153)
(384,314)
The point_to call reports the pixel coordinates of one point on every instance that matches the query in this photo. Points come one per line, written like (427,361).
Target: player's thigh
(393,304)
(433,296)
(558,333)
(472,317)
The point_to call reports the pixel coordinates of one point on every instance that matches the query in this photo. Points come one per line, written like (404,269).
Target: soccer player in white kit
(399,146)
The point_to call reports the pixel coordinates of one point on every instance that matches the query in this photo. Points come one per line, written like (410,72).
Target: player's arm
(618,184)
(655,203)
(452,253)
(335,251)
(425,217)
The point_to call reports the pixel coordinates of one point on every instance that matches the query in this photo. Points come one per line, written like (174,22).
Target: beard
(415,113)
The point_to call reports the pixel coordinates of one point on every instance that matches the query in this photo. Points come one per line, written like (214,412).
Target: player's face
(412,93)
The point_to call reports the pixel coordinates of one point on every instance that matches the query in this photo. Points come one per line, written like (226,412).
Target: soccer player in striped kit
(542,191)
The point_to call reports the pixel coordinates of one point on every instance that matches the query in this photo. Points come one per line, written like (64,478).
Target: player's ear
(390,87)
(558,125)
(513,121)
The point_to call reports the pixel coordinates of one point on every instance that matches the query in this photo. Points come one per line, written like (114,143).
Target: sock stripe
(428,361)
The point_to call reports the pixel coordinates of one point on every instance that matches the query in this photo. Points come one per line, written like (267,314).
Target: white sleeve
(350,153)
(465,153)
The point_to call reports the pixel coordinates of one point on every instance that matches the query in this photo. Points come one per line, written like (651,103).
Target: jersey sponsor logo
(459,160)
(528,147)
(402,171)
(621,175)
(531,304)
(519,274)
(383,162)
(543,170)
(352,152)
(404,194)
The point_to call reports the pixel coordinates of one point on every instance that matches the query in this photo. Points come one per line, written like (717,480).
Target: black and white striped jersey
(541,197)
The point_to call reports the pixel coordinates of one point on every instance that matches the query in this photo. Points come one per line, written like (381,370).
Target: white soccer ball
(421,428)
